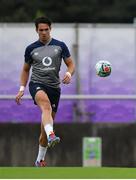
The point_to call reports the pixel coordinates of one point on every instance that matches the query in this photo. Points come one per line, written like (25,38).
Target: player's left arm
(70,70)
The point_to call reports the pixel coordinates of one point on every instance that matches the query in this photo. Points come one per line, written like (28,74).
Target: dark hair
(44,20)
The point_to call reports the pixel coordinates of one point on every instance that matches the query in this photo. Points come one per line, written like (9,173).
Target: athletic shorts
(52,93)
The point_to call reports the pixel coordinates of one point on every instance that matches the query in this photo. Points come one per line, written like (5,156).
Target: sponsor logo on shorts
(53,105)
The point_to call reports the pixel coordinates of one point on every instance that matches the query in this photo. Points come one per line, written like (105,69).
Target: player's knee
(46,106)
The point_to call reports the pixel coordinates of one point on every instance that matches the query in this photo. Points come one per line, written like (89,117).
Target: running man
(45,57)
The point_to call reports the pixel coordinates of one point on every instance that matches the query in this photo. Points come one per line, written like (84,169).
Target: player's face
(43,31)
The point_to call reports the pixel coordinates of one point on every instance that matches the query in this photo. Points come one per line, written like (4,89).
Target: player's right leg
(40,98)
(43,102)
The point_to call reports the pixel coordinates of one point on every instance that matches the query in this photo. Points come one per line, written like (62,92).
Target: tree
(92,11)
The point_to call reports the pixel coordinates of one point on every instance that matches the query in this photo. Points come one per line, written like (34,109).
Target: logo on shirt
(36,53)
(38,88)
(47,61)
(56,50)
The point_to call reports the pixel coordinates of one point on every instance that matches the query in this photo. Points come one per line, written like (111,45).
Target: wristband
(22,88)
(69,74)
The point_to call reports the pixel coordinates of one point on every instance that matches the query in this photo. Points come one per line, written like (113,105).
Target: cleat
(53,140)
(42,163)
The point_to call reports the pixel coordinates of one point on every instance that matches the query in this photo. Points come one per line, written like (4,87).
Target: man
(45,56)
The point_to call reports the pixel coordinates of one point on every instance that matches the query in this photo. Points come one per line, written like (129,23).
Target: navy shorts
(52,93)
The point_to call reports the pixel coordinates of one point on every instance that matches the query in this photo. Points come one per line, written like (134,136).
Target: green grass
(67,173)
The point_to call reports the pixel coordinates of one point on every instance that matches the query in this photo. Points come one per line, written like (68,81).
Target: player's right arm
(23,81)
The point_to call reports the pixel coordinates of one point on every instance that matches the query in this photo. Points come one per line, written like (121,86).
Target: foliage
(93,11)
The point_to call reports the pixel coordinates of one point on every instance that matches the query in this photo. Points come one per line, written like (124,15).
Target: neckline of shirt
(45,43)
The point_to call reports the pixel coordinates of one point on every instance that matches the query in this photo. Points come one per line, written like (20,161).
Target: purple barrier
(119,111)
(11,112)
(28,112)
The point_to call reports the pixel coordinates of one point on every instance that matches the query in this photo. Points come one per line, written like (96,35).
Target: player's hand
(19,96)
(67,78)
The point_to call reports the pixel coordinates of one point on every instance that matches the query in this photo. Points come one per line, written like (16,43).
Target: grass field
(67,173)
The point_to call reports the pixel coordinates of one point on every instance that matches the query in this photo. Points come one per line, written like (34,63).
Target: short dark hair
(44,20)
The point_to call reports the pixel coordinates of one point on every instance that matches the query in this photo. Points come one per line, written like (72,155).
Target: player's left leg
(40,161)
